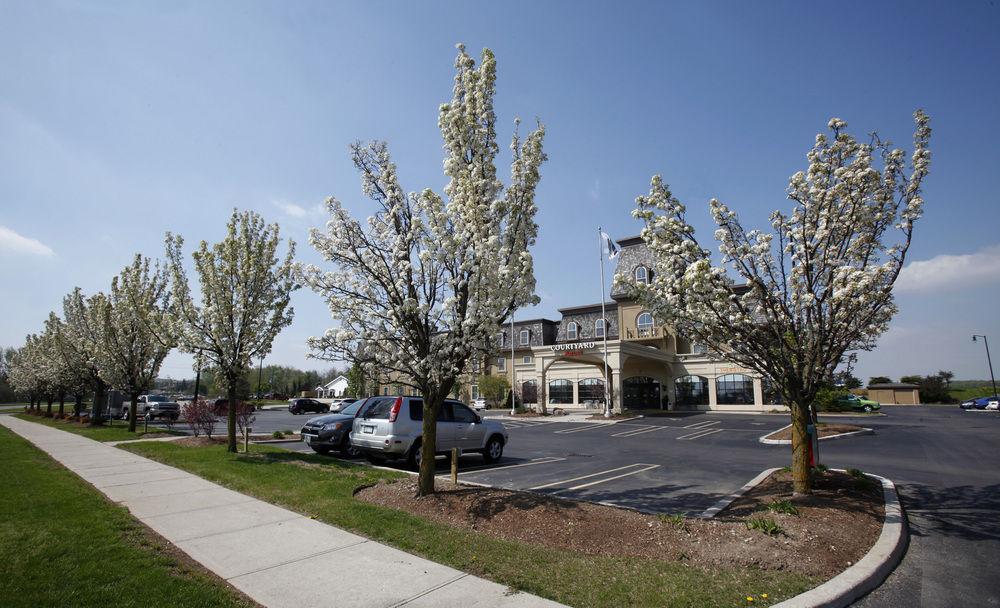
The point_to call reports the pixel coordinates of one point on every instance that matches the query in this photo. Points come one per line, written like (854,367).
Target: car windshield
(156,398)
(353,408)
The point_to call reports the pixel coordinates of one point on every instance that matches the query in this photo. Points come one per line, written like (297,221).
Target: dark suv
(301,406)
(332,431)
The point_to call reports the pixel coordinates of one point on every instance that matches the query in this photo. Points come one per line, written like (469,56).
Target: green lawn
(117,432)
(970,392)
(63,544)
(321,487)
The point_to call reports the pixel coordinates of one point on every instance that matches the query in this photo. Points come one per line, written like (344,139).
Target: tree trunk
(48,408)
(62,404)
(77,405)
(432,409)
(801,478)
(133,411)
(97,412)
(231,425)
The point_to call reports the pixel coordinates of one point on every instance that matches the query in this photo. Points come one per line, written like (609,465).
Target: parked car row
(387,428)
(305,405)
(981,403)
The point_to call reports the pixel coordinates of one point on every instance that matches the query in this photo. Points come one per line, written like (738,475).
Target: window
(474,389)
(591,389)
(525,337)
(644,322)
(561,391)
(500,338)
(526,359)
(599,328)
(571,330)
(460,413)
(501,364)
(529,391)
(734,388)
(641,274)
(691,390)
(416,409)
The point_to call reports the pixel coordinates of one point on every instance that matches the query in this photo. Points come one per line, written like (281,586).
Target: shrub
(827,399)
(244,415)
(278,435)
(199,416)
(783,506)
(861,481)
(764,524)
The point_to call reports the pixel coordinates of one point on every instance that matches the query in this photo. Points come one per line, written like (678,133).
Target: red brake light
(394,412)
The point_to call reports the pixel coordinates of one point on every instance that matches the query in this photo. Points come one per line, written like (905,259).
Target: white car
(993,404)
(337,404)
(480,404)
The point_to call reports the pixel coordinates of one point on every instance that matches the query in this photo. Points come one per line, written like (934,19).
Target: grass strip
(323,488)
(117,432)
(63,544)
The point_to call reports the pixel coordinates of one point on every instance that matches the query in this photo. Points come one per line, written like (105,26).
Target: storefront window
(591,389)
(691,390)
(734,388)
(561,391)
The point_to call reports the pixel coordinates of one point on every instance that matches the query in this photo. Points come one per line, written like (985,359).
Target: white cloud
(951,271)
(290,209)
(13,242)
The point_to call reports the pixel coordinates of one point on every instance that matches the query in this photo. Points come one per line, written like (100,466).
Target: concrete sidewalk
(276,556)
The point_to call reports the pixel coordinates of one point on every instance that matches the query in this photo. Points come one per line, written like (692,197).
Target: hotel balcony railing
(645,332)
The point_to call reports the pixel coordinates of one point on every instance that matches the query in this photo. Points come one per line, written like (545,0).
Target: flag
(613,248)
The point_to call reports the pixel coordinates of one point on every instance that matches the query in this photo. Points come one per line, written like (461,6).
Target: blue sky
(122,120)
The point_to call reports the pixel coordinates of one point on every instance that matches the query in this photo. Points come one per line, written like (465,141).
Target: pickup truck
(154,406)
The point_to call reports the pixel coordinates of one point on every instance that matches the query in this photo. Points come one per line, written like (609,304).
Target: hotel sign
(571,349)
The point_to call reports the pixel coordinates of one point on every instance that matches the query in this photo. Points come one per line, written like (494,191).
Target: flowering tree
(24,371)
(817,286)
(64,373)
(136,334)
(424,283)
(245,295)
(83,340)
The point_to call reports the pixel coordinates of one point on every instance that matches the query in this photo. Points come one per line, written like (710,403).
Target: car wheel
(347,449)
(323,451)
(415,455)
(494,449)
(374,459)
(868,409)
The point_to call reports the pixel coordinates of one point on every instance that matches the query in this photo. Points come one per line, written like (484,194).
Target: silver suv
(389,428)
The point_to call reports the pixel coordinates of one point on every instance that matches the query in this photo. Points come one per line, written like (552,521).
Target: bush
(199,416)
(245,416)
(278,435)
(827,399)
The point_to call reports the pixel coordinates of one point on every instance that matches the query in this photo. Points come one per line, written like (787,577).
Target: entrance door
(529,392)
(641,392)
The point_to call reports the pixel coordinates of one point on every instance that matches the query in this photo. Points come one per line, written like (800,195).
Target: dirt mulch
(835,527)
(825,430)
(200,442)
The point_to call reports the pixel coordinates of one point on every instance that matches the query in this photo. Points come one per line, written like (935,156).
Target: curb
(124,441)
(728,500)
(872,569)
(570,417)
(764,438)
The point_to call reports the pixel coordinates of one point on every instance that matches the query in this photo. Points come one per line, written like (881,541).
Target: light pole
(988,361)
(513,377)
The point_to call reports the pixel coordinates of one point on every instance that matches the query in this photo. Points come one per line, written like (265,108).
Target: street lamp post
(988,361)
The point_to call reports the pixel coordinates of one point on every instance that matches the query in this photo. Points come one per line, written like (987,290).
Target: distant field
(971,390)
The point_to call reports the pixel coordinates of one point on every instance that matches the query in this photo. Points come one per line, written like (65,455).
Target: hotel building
(562,361)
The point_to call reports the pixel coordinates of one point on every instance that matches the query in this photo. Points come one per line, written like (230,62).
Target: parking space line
(699,434)
(561,481)
(638,431)
(581,428)
(702,425)
(594,483)
(480,469)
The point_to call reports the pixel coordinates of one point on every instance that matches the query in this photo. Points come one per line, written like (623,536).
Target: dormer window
(524,337)
(641,274)
(599,328)
(571,330)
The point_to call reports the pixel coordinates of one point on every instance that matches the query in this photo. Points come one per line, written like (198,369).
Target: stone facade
(585,323)
(634,253)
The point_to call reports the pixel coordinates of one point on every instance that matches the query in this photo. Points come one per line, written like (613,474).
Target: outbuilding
(894,393)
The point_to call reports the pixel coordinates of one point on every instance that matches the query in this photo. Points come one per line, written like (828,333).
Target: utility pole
(260,369)
(988,361)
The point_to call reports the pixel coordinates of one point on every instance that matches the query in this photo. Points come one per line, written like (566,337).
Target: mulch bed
(825,430)
(835,527)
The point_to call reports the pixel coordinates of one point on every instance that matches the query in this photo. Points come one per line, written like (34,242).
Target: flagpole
(604,322)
